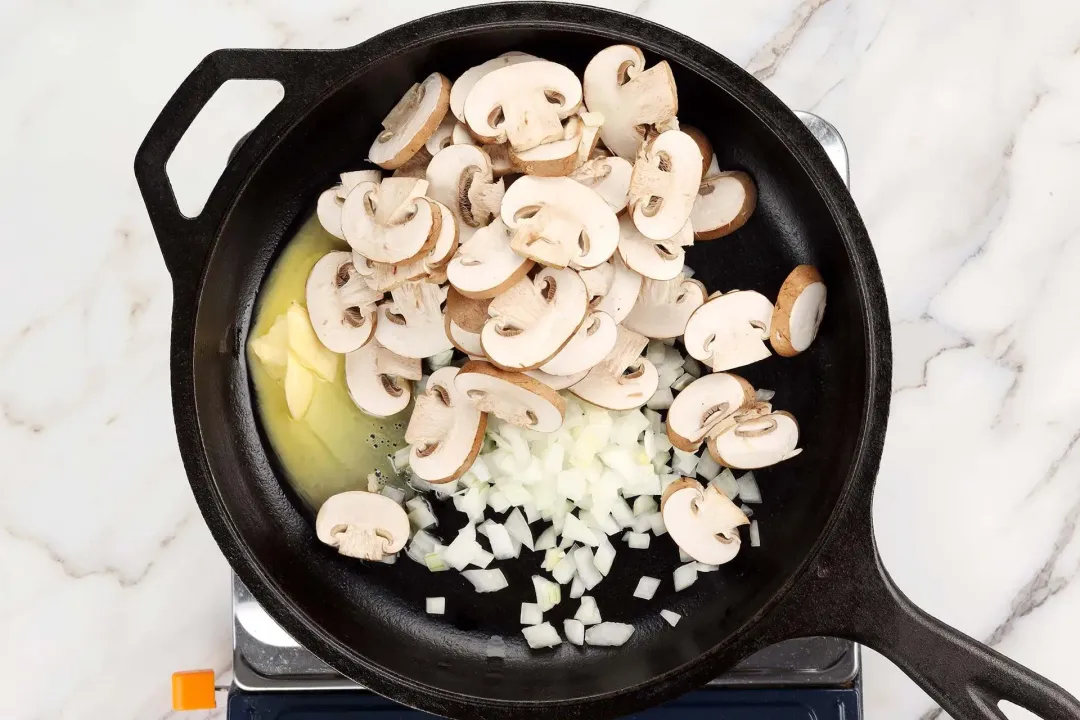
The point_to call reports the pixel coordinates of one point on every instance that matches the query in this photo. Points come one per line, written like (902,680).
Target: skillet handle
(185,241)
(848,593)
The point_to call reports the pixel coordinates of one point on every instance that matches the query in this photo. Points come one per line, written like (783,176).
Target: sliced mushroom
(411,323)
(464,84)
(654,259)
(597,281)
(664,307)
(551,159)
(590,344)
(724,202)
(512,397)
(351,179)
(631,98)
(556,382)
(416,166)
(445,431)
(667,175)
(500,159)
(626,284)
(378,379)
(381,229)
(609,177)
(705,407)
(362,525)
(443,137)
(800,307)
(465,318)
(591,122)
(534,319)
(757,442)
(386,276)
(623,380)
(703,145)
(702,521)
(340,303)
(730,330)
(460,177)
(328,210)
(485,265)
(558,222)
(411,122)
(522,104)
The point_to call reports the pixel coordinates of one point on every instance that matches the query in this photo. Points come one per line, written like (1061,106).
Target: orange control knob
(193,690)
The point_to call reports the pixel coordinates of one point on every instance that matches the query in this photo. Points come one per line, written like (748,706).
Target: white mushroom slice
(512,397)
(328,210)
(415,167)
(534,319)
(703,522)
(443,136)
(591,123)
(590,344)
(625,287)
(485,265)
(757,442)
(623,380)
(462,136)
(411,122)
(609,177)
(704,407)
(465,318)
(385,276)
(378,379)
(800,306)
(724,203)
(523,104)
(373,226)
(445,430)
(351,179)
(460,177)
(730,330)
(598,281)
(558,222)
(654,259)
(556,382)
(664,184)
(704,146)
(629,99)
(551,159)
(464,84)
(411,324)
(340,303)
(362,525)
(664,307)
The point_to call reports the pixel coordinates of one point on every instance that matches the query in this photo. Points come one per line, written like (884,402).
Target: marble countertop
(960,116)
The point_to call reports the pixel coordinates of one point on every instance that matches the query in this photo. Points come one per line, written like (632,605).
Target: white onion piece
(546,541)
(548,594)
(638,541)
(565,570)
(588,613)
(655,423)
(486,581)
(656,522)
(423,542)
(400,459)
(687,271)
(389,559)
(604,557)
(517,527)
(749,492)
(436,605)
(531,614)
(685,576)
(586,567)
(435,561)
(685,463)
(481,558)
(496,647)
(501,544)
(394,493)
(644,505)
(692,366)
(667,376)
(655,352)
(684,557)
(661,399)
(462,551)
(621,513)
(574,631)
(609,634)
(707,467)
(746,510)
(498,501)
(755,534)
(672,618)
(440,360)
(577,588)
(577,531)
(726,483)
(642,523)
(552,558)
(646,588)
(764,395)
(532,513)
(705,568)
(541,636)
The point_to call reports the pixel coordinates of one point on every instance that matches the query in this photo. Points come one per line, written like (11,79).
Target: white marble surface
(961,118)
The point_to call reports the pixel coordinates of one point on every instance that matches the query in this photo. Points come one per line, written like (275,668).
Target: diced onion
(656,352)
(685,463)
(394,493)
(684,556)
(586,567)
(436,605)
(685,576)
(577,588)
(435,562)
(574,631)
(422,518)
(481,558)
(638,541)
(588,613)
(389,559)
(400,459)
(565,570)
(552,558)
(749,492)
(746,511)
(704,568)
(644,505)
(672,618)
(610,634)
(531,614)
(541,636)
(726,483)
(646,588)
(501,544)
(440,360)
(642,523)
(656,522)
(496,647)
(755,534)
(707,467)
(661,399)
(546,541)
(621,513)
(764,395)
(462,551)
(486,581)
(577,531)
(604,557)
(692,366)
(498,501)
(517,527)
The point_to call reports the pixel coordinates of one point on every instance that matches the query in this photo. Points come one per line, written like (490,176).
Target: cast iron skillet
(818,571)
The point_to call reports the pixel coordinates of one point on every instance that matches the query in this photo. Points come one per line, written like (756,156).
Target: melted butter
(334,446)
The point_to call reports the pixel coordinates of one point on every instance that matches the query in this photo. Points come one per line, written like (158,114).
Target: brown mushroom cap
(725,201)
(800,307)
(411,122)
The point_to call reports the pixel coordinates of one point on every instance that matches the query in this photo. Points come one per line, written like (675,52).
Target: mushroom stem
(417,300)
(523,304)
(364,543)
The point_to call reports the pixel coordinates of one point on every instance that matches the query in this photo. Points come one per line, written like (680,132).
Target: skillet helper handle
(185,241)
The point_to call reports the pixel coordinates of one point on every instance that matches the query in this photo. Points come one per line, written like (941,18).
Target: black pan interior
(375,615)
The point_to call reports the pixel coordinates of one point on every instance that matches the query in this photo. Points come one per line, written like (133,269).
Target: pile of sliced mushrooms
(529,245)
